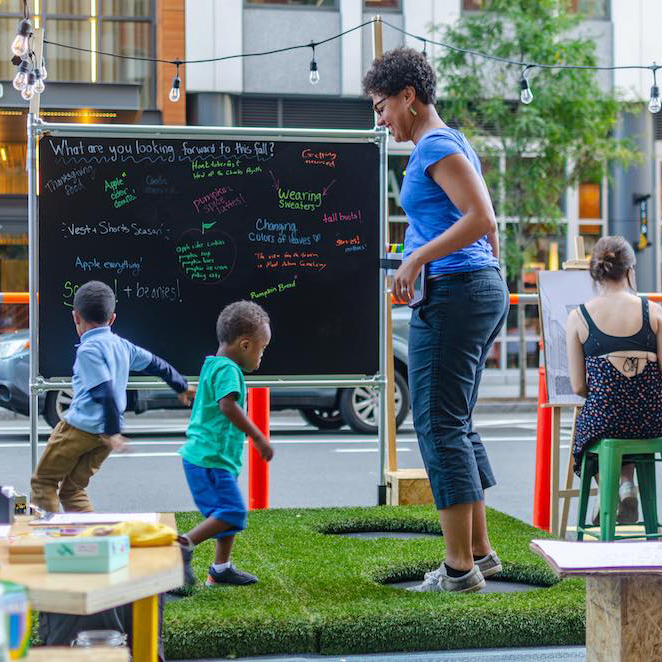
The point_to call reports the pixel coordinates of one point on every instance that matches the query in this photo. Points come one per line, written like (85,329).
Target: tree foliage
(565,136)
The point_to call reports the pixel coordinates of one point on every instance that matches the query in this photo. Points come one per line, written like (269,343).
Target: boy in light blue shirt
(91,429)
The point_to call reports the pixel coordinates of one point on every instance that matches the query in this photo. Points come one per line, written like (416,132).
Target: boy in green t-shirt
(212,454)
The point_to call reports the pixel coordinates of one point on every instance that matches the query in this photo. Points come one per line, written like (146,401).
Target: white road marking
(367,450)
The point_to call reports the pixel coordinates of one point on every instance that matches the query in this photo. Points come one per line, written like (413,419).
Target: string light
(525,94)
(39,86)
(21,78)
(28,91)
(44,73)
(21,41)
(425,48)
(654,104)
(176,84)
(314,73)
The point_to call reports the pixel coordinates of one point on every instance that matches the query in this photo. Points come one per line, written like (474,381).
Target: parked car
(325,408)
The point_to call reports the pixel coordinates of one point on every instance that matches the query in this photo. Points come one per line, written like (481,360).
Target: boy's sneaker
(438,580)
(489,565)
(189,575)
(628,503)
(230,576)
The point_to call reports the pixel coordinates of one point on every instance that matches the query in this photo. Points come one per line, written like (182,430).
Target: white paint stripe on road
(367,450)
(130,455)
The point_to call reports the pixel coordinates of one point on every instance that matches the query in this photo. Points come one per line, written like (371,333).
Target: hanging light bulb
(39,86)
(21,78)
(176,84)
(525,95)
(425,49)
(654,105)
(314,73)
(20,44)
(28,90)
(44,73)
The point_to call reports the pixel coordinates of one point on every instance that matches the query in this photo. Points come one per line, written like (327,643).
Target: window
(382,4)
(590,8)
(64,64)
(126,38)
(136,8)
(472,5)
(312,4)
(14,180)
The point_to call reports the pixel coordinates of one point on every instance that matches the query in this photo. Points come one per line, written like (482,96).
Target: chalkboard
(181,227)
(560,293)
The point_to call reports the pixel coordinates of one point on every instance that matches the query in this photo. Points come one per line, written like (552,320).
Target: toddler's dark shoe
(230,576)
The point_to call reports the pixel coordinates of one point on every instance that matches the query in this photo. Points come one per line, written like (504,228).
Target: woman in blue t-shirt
(452,235)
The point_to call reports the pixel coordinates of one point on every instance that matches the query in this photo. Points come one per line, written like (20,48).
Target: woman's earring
(412,110)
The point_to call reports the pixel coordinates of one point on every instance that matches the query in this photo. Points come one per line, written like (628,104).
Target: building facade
(82,87)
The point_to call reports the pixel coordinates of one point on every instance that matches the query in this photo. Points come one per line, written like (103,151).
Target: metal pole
(33,253)
(383,312)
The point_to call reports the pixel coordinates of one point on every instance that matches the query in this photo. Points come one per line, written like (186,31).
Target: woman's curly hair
(396,69)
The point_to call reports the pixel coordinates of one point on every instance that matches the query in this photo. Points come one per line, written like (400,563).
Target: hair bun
(612,258)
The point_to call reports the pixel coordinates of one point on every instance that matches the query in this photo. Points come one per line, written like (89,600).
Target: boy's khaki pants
(71,458)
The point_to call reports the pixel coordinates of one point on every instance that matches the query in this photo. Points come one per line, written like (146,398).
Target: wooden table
(623,603)
(64,654)
(151,570)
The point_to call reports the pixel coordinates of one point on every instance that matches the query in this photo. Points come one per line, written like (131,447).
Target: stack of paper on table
(91,519)
(580,558)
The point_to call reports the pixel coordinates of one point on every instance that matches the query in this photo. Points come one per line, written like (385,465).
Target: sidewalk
(557,654)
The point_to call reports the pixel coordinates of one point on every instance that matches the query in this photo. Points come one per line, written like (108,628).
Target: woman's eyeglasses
(378,107)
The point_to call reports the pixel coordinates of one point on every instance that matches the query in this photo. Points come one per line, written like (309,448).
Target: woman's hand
(405,277)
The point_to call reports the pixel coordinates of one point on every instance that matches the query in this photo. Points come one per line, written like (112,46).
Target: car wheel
(57,404)
(360,406)
(323,419)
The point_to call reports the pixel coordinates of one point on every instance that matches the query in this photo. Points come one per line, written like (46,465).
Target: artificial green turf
(323,593)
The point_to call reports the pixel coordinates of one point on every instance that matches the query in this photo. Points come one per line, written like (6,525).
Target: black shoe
(230,576)
(189,575)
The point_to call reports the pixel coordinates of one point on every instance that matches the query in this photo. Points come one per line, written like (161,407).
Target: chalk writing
(207,258)
(298,200)
(158,185)
(113,229)
(117,266)
(306,260)
(118,191)
(276,289)
(219,201)
(341,217)
(72,180)
(319,158)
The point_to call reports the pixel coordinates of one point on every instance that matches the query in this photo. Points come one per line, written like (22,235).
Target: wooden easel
(558,493)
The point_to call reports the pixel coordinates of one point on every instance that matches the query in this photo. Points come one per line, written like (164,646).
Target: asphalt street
(310,469)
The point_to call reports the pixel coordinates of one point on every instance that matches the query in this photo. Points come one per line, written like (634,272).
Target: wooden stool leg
(569,478)
(146,629)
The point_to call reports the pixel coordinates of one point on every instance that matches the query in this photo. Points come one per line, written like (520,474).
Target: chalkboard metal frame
(37,128)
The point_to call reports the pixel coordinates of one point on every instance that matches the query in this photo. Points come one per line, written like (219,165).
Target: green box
(93,554)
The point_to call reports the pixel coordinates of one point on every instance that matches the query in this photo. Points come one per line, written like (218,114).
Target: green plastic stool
(608,456)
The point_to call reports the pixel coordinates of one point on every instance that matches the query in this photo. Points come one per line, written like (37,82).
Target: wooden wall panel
(170,45)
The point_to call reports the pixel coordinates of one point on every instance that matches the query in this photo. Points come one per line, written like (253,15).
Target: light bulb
(525,95)
(39,86)
(174,90)
(28,90)
(2,91)
(654,105)
(44,73)
(21,78)
(21,41)
(314,73)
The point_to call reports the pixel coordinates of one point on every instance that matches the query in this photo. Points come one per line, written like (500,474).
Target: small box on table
(93,554)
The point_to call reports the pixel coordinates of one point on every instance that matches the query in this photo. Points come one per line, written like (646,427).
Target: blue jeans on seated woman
(449,338)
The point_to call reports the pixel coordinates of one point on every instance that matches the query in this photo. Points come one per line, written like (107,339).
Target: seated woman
(614,358)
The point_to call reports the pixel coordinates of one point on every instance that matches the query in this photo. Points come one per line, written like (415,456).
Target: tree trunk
(521,330)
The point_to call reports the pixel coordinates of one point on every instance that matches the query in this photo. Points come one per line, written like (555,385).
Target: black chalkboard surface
(179,228)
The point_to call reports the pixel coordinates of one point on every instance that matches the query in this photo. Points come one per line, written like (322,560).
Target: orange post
(258,469)
(541,489)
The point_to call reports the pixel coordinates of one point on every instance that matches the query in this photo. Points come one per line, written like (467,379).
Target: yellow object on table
(141,534)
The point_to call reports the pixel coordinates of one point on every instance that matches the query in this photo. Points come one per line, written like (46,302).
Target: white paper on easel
(578,557)
(90,519)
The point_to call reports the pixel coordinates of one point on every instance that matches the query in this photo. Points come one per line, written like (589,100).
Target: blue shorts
(216,494)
